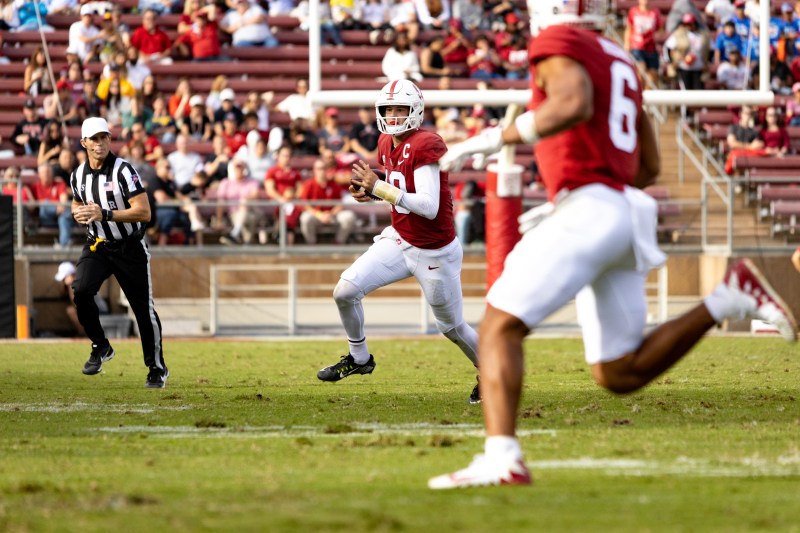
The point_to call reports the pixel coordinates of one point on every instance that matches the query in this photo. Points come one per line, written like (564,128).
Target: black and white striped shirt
(112,186)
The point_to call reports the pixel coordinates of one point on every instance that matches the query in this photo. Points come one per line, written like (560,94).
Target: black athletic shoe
(100,354)
(475,395)
(346,366)
(156,378)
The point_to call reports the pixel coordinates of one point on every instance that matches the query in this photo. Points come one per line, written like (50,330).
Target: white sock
(502,445)
(359,350)
(723,303)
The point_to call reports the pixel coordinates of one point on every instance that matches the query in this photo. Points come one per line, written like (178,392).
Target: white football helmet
(402,93)
(587,14)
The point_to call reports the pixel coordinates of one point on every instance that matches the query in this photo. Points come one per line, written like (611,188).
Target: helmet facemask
(400,93)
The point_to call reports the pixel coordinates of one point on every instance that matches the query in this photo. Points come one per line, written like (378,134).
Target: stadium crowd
(190,144)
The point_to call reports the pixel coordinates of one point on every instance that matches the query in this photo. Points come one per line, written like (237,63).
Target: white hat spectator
(196,100)
(227,94)
(64,269)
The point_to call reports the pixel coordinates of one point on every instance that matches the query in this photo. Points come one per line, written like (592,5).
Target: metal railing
(290,290)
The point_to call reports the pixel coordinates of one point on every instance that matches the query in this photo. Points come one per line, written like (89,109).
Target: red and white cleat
(484,471)
(758,299)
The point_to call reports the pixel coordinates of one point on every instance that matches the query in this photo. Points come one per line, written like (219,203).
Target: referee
(109,198)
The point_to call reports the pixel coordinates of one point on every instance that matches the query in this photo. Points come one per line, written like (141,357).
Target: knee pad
(346,292)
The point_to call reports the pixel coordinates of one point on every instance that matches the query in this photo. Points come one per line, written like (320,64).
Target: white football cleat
(755,297)
(485,471)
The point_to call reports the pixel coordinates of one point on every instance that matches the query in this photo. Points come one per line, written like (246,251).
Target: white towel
(644,216)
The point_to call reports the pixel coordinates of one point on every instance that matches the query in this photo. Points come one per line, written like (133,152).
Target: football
(381,176)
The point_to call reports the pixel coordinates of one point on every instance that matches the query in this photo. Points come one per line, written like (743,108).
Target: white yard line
(58,407)
(343,430)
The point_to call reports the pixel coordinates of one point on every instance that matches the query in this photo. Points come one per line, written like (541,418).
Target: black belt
(113,245)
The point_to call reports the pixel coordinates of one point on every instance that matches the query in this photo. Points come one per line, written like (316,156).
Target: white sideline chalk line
(355,430)
(60,407)
(782,466)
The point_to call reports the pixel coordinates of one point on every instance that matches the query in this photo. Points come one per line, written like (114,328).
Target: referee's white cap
(92,126)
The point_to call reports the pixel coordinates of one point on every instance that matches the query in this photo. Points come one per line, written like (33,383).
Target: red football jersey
(606,148)
(419,149)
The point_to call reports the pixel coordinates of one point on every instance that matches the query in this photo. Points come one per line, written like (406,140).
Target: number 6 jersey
(605,149)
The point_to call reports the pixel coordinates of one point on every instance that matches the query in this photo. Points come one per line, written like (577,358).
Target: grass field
(244,438)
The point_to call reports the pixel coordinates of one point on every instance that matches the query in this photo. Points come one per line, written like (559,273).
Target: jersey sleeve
(565,42)
(133,182)
(428,148)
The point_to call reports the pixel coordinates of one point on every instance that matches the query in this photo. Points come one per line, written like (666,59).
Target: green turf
(244,438)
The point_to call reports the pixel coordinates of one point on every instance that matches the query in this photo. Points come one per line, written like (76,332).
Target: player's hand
(364,176)
(487,142)
(533,217)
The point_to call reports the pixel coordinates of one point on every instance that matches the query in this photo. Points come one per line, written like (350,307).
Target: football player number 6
(622,111)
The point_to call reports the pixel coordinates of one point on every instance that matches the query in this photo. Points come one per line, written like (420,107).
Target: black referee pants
(130,265)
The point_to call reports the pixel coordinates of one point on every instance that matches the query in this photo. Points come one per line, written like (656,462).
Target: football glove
(533,217)
(487,142)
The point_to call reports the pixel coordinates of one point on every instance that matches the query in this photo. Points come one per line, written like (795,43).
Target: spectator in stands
(447,120)
(240,191)
(400,61)
(679,9)
(302,138)
(431,60)
(26,16)
(183,162)
(52,143)
(732,73)
(282,185)
(329,31)
(153,151)
(432,14)
(153,43)
(495,12)
(344,15)
(456,44)
(61,102)
(743,138)
(364,135)
(54,211)
(741,21)
(197,126)
(227,107)
(331,135)
(779,73)
(643,22)
(168,214)
(686,48)
(136,156)
(234,137)
(793,106)
(37,78)
(160,7)
(720,11)
(280,7)
(194,193)
(483,62)
(213,101)
(338,167)
(116,104)
(201,41)
(255,154)
(260,105)
(116,76)
(469,211)
(216,165)
(375,16)
(178,105)
(726,40)
(76,79)
(29,131)
(16,190)
(122,29)
(515,58)
(84,37)
(113,41)
(247,24)
(788,27)
(774,134)
(65,276)
(190,10)
(137,72)
(298,105)
(403,18)
(149,90)
(162,124)
(89,104)
(320,188)
(62,170)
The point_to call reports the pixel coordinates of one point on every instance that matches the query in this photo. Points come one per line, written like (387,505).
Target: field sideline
(245,438)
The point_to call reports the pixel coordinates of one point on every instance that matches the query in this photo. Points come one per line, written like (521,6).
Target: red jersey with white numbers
(419,149)
(604,149)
